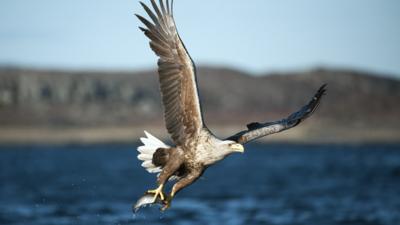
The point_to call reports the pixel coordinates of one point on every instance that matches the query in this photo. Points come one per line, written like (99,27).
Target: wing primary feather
(168,9)
(150,26)
(156,9)
(172,8)
(160,17)
(162,7)
(145,21)
(151,14)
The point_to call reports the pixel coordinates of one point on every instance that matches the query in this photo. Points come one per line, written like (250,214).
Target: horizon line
(265,72)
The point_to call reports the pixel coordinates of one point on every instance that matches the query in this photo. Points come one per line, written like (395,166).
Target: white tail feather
(146,151)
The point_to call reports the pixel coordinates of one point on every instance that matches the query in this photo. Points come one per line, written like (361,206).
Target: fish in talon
(147,200)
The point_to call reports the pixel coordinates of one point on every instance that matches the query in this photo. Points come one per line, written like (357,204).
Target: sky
(254,35)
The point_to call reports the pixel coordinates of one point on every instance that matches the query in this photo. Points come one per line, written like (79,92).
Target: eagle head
(232,146)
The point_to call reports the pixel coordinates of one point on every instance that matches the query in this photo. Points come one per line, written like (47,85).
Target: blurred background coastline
(39,106)
(81,72)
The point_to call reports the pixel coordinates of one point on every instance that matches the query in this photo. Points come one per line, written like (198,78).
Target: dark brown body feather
(160,157)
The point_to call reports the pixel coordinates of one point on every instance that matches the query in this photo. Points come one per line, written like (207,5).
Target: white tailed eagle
(196,148)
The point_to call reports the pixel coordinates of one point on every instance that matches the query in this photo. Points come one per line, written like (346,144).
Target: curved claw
(166,203)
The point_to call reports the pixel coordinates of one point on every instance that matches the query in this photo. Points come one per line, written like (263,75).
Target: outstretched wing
(177,73)
(258,130)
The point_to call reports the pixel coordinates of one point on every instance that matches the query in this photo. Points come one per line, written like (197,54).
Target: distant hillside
(59,99)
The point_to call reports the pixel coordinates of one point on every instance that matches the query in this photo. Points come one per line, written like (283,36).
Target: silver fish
(145,200)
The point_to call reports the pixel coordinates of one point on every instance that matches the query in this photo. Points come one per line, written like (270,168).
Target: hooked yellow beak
(237,148)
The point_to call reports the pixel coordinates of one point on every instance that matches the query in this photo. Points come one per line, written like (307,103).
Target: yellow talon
(157,192)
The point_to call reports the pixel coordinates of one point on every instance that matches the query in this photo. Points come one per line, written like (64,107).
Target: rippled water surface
(269,184)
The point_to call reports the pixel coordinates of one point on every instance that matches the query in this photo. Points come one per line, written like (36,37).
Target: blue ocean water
(269,184)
